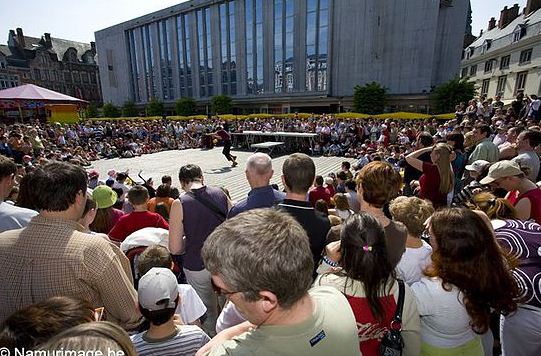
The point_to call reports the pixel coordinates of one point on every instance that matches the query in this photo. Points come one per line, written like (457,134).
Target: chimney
(492,23)
(20,37)
(93,47)
(48,42)
(531,6)
(508,15)
(480,33)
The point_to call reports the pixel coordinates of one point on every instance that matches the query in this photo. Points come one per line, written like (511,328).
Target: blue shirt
(262,197)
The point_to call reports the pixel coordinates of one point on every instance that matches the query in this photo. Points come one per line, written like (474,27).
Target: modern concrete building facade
(283,55)
(506,58)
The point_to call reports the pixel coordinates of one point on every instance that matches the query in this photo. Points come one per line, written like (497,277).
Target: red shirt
(534,195)
(370,330)
(223,135)
(429,185)
(319,193)
(134,221)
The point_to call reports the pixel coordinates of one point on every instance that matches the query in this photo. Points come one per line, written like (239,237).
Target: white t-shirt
(413,262)
(191,307)
(445,323)
(14,217)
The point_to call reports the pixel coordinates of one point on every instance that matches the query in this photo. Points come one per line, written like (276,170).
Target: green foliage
(221,104)
(369,99)
(155,107)
(129,109)
(109,110)
(447,95)
(91,111)
(186,107)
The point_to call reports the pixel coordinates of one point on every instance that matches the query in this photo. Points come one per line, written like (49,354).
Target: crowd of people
(427,245)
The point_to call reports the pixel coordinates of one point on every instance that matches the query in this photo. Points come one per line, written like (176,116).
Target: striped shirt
(186,341)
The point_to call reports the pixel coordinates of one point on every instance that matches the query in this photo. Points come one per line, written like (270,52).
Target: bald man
(258,174)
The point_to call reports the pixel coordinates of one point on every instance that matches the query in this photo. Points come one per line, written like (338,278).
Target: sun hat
(158,289)
(478,165)
(500,170)
(104,196)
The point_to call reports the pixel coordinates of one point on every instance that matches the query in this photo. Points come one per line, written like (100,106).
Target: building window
(525,56)
(147,34)
(464,72)
(504,62)
(165,60)
(254,47)
(500,89)
(520,32)
(486,45)
(521,82)
(485,86)
(283,46)
(228,48)
(473,70)
(469,52)
(488,65)
(316,45)
(37,74)
(136,76)
(2,63)
(206,81)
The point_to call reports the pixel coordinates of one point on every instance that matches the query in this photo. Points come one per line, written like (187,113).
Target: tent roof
(36,93)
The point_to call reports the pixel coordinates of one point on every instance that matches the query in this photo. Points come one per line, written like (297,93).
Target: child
(139,218)
(158,299)
(190,307)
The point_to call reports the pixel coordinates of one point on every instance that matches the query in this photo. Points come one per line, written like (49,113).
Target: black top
(314,223)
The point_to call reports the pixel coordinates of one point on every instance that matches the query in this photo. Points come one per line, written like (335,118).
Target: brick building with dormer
(61,65)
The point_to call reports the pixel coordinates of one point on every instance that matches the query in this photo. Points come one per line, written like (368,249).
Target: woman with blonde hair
(341,206)
(468,279)
(520,332)
(437,182)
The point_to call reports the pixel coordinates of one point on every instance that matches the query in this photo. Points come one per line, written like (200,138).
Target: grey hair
(261,250)
(260,163)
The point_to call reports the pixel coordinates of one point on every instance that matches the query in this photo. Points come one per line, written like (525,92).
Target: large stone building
(283,55)
(506,58)
(64,66)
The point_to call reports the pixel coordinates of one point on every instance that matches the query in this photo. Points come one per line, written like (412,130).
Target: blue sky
(78,20)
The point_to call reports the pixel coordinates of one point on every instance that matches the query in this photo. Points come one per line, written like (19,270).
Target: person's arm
(162,223)
(176,228)
(524,209)
(117,293)
(411,324)
(223,336)
(413,159)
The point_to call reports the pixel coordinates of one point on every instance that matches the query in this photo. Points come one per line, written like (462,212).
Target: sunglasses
(221,291)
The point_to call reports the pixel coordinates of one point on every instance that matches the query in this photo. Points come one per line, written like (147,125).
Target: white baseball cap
(158,289)
(478,166)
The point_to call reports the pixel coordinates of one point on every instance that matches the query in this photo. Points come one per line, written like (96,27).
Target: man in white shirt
(11,217)
(526,143)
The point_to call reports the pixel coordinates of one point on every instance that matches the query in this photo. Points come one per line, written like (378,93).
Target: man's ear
(268,300)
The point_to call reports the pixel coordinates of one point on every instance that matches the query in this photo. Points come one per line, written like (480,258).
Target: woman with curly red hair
(470,276)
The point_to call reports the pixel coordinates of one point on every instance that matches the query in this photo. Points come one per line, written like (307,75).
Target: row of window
(525,57)
(8,81)
(69,77)
(518,34)
(520,84)
(197,24)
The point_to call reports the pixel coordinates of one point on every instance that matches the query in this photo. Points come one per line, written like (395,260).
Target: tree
(129,109)
(186,106)
(109,110)
(221,104)
(155,107)
(91,111)
(445,96)
(370,98)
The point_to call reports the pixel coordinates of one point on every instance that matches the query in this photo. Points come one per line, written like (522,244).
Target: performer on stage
(226,138)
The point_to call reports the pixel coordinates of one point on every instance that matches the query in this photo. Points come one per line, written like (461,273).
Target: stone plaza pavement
(216,169)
